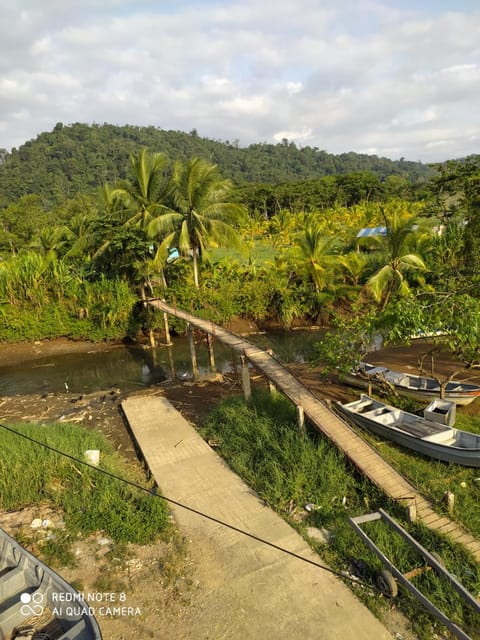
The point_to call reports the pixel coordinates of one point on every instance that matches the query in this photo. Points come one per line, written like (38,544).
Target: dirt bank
(408,359)
(17,352)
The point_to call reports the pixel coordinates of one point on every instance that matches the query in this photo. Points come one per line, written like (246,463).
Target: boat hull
(437,451)
(422,395)
(29,588)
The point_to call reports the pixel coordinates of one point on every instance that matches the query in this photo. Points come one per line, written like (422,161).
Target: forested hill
(77,158)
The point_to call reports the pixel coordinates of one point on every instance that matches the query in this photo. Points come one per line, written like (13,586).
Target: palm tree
(314,250)
(49,242)
(354,265)
(79,236)
(199,212)
(390,277)
(147,192)
(281,227)
(130,207)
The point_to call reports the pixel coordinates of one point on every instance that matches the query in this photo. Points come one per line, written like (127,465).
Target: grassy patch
(260,441)
(263,445)
(90,501)
(57,550)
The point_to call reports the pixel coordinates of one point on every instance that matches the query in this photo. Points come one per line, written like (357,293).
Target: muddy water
(86,368)
(133,367)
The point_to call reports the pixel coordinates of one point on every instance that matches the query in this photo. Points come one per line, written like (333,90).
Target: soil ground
(160,580)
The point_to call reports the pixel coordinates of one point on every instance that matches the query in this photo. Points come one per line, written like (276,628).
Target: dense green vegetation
(75,261)
(89,501)
(262,443)
(75,159)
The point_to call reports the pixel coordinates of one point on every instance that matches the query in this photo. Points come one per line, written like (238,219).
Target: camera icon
(32,604)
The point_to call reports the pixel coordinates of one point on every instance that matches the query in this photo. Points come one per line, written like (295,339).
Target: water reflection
(290,347)
(130,367)
(80,372)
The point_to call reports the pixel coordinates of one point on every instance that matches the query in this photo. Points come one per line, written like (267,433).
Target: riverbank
(407,358)
(102,408)
(18,352)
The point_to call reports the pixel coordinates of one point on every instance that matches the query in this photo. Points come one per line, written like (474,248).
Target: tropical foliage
(398,256)
(199,212)
(79,158)
(175,227)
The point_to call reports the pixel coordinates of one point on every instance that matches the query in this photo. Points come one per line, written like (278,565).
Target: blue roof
(173,254)
(370,232)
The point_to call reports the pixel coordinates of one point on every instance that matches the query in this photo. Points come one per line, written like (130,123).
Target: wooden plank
(432,517)
(460,536)
(449,527)
(443,521)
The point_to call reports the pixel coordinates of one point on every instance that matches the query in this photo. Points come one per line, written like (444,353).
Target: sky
(395,78)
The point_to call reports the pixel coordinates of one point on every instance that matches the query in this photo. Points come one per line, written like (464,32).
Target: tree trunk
(195,269)
(151,335)
(164,280)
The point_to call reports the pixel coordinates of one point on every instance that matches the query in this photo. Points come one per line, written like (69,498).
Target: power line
(186,507)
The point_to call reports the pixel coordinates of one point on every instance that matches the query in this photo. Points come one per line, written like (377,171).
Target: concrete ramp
(268,594)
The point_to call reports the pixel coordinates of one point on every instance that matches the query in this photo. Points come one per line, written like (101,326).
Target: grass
(57,550)
(90,501)
(287,470)
(260,441)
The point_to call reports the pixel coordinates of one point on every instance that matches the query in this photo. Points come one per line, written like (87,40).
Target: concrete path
(261,592)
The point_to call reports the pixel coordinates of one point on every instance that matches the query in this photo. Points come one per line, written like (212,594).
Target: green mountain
(78,158)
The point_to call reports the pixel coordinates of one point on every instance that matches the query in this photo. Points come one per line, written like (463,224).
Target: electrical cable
(155,494)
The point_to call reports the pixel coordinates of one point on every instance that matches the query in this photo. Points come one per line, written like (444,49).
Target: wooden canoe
(411,386)
(430,434)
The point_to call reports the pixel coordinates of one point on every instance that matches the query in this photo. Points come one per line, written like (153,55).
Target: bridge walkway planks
(360,453)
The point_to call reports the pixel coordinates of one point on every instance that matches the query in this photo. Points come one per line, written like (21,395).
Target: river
(130,367)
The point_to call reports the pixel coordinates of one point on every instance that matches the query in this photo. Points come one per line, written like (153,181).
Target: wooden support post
(211,353)
(273,389)
(301,419)
(151,335)
(172,363)
(247,389)
(153,343)
(168,340)
(450,501)
(193,353)
(234,363)
(412,511)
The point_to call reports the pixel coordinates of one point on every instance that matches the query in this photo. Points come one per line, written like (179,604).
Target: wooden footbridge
(359,452)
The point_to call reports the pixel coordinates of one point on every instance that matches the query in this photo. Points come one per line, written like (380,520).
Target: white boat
(409,385)
(35,602)
(432,435)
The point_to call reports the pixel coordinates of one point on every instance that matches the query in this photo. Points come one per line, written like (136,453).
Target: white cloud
(341,76)
(294,87)
(239,105)
(295,136)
